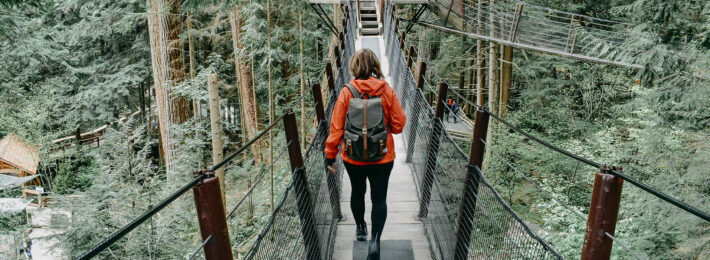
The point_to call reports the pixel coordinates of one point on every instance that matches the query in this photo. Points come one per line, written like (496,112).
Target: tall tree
(243,70)
(181,109)
(159,45)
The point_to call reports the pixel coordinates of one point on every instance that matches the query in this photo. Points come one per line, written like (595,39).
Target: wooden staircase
(369,20)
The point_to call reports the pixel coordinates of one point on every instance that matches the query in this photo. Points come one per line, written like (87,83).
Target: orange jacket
(394,117)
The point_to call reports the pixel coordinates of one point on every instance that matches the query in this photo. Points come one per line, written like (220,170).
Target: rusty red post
(333,184)
(603,212)
(470,191)
(300,185)
(358,9)
(336,52)
(432,151)
(212,218)
(396,24)
(401,41)
(329,75)
(415,118)
(318,98)
(409,56)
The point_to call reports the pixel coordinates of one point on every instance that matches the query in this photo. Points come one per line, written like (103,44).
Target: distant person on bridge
(454,109)
(365,116)
(449,102)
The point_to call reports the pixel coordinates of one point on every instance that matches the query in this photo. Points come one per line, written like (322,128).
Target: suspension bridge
(441,204)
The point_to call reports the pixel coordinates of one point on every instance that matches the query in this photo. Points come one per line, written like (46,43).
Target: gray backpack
(365,137)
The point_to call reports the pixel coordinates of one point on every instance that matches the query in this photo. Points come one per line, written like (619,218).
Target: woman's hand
(330,165)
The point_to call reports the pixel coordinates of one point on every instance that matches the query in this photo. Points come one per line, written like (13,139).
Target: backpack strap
(353,90)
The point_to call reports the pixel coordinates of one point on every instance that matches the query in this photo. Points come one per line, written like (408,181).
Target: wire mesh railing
(316,194)
(534,27)
(303,226)
(439,167)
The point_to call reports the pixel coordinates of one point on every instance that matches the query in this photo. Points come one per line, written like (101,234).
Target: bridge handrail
(157,208)
(676,202)
(446,162)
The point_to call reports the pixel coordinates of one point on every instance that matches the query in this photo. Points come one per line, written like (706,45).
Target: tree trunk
(181,109)
(271,99)
(191,47)
(462,81)
(470,82)
(243,71)
(142,101)
(480,59)
(493,84)
(493,67)
(216,127)
(506,74)
(303,81)
(157,31)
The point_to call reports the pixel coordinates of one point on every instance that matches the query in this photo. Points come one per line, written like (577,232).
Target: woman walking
(365,116)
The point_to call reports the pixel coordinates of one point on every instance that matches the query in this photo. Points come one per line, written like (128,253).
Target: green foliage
(656,130)
(75,173)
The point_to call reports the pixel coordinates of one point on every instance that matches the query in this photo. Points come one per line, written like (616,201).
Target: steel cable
(441,176)
(682,205)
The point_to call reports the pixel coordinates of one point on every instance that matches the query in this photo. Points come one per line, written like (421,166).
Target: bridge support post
(410,53)
(300,185)
(330,80)
(318,98)
(603,212)
(333,184)
(432,151)
(212,218)
(336,52)
(470,191)
(414,123)
(401,40)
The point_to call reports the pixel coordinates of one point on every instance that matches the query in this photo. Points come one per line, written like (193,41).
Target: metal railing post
(300,185)
(212,218)
(329,74)
(318,98)
(414,124)
(401,40)
(333,184)
(470,190)
(432,151)
(336,52)
(410,53)
(603,212)
(396,25)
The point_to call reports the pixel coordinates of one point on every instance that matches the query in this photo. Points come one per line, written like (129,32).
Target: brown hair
(364,64)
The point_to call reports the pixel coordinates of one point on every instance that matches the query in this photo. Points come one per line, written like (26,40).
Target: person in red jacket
(368,78)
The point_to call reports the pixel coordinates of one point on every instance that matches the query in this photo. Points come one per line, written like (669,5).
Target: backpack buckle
(364,131)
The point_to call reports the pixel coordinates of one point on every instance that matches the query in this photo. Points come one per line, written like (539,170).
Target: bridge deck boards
(402,200)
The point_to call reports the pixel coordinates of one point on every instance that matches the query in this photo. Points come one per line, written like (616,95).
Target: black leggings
(378,175)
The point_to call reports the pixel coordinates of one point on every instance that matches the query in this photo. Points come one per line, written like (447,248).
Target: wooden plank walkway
(402,199)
